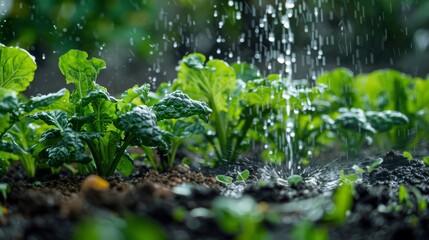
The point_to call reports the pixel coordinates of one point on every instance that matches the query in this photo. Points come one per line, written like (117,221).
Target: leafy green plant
(408,155)
(108,126)
(17,133)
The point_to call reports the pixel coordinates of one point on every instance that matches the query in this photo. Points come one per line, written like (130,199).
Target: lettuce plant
(18,134)
(107,125)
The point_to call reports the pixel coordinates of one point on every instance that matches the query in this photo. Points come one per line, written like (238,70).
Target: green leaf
(137,91)
(408,155)
(211,83)
(125,165)
(9,101)
(178,105)
(43,100)
(80,71)
(340,84)
(294,180)
(55,118)
(403,194)
(374,164)
(140,123)
(342,202)
(355,120)
(224,179)
(246,72)
(17,68)
(242,176)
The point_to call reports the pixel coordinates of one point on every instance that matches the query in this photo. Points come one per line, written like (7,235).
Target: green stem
(173,151)
(220,128)
(149,153)
(119,153)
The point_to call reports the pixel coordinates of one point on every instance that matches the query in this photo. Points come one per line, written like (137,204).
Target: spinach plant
(18,134)
(107,125)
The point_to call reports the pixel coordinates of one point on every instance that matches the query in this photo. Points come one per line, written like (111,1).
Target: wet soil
(51,207)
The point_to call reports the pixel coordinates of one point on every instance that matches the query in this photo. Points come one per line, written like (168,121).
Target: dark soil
(52,206)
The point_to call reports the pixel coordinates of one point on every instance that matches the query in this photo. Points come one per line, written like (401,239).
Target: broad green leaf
(246,72)
(212,83)
(224,179)
(55,118)
(80,71)
(178,105)
(340,83)
(43,100)
(17,68)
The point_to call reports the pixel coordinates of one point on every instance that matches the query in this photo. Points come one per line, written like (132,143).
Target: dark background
(143,40)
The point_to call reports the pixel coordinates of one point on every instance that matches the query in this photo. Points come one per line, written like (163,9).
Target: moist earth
(50,207)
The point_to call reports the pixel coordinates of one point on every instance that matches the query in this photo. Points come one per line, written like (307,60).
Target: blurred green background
(143,40)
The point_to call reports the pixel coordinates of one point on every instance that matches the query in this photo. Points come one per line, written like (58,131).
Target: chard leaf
(17,68)
(211,83)
(178,105)
(140,124)
(56,118)
(80,71)
(43,100)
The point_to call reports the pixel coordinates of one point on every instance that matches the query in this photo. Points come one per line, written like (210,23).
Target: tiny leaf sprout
(242,176)
(227,180)
(294,180)
(408,155)
(426,160)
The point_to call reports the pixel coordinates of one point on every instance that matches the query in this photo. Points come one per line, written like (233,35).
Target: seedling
(408,155)
(227,180)
(294,180)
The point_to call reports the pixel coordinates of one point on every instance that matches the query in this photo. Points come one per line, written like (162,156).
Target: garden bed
(181,203)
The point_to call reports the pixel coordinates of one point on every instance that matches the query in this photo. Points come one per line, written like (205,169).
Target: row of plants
(216,110)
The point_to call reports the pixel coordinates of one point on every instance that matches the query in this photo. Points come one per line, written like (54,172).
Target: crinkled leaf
(93,95)
(178,105)
(69,147)
(43,100)
(384,121)
(354,119)
(55,118)
(211,83)
(17,68)
(80,71)
(140,123)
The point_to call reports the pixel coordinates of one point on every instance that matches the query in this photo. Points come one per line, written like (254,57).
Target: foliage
(17,133)
(103,123)
(241,177)
(294,180)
